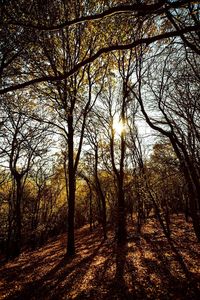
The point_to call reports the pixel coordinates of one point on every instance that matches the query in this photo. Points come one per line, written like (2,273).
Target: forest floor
(148,267)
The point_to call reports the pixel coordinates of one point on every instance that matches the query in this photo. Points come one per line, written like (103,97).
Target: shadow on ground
(147,267)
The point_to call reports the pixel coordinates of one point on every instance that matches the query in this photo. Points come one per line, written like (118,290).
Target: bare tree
(172,87)
(94,140)
(22,141)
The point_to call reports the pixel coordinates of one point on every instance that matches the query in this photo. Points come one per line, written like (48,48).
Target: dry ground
(147,268)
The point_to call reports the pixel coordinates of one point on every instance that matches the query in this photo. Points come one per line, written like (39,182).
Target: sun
(118,126)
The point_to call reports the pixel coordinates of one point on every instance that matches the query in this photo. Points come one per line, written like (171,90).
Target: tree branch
(139,9)
(147,41)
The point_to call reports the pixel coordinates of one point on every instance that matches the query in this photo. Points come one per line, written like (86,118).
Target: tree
(94,140)
(165,183)
(116,102)
(22,141)
(147,15)
(71,100)
(174,97)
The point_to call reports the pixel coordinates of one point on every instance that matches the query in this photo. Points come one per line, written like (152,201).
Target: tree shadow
(147,267)
(172,270)
(60,278)
(118,288)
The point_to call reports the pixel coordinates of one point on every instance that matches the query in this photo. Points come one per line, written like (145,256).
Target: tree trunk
(18,225)
(101,196)
(90,210)
(186,208)
(10,223)
(71,210)
(71,189)
(9,233)
(195,209)
(194,198)
(121,222)
(104,217)
(195,215)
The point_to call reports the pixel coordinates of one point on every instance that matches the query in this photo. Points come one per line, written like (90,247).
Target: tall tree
(174,97)
(22,141)
(71,100)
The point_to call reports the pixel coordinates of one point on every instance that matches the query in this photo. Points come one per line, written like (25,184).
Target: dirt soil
(148,267)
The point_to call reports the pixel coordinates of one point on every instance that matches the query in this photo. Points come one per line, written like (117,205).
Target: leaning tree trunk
(194,209)
(192,179)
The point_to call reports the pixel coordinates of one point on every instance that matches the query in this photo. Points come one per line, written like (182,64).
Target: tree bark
(18,225)
(72,189)
(101,196)
(121,226)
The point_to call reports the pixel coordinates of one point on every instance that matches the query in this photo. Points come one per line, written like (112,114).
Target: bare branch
(147,41)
